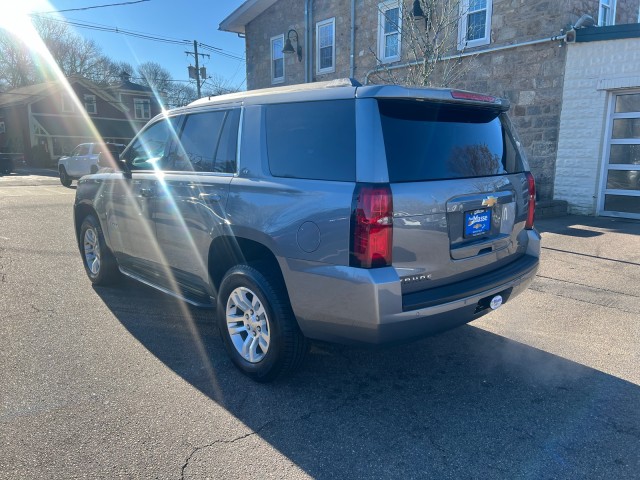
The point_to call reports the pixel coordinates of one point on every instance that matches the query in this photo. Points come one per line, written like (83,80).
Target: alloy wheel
(248,324)
(92,251)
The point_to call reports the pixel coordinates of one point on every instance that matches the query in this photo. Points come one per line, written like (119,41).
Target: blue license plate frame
(477,222)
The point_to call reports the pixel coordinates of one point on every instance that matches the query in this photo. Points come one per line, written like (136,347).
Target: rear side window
(198,141)
(208,143)
(434,142)
(312,140)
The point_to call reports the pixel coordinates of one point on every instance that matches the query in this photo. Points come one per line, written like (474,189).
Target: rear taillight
(371,226)
(532,201)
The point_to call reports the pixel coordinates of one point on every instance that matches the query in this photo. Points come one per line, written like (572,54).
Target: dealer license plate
(477,222)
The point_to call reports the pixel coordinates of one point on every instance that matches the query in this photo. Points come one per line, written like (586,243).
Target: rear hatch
(460,191)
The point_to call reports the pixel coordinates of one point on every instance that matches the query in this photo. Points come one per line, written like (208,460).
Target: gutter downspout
(352,59)
(308,14)
(468,54)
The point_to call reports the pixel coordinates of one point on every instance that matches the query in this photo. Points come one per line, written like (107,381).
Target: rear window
(312,140)
(426,141)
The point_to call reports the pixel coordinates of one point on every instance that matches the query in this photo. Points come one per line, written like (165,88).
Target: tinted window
(147,150)
(81,150)
(314,140)
(202,147)
(198,141)
(431,142)
(228,145)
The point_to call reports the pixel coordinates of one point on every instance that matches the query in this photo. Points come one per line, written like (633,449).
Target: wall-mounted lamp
(288,46)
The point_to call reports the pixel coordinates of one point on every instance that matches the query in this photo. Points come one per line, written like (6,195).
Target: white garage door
(620,188)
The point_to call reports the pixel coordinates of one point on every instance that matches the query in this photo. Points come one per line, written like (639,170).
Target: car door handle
(147,192)
(209,197)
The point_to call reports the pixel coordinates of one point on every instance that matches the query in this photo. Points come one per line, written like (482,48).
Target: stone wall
(595,71)
(531,77)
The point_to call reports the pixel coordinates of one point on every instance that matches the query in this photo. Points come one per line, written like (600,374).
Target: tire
(65,179)
(258,302)
(99,263)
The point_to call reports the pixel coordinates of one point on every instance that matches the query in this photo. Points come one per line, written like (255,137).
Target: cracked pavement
(127,382)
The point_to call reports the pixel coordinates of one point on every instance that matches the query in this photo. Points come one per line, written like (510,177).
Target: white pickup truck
(84,160)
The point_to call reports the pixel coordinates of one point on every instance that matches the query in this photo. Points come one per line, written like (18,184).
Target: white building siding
(593,71)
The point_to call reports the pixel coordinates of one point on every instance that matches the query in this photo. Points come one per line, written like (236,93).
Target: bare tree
(218,85)
(430,50)
(154,75)
(21,65)
(181,94)
(106,71)
(16,65)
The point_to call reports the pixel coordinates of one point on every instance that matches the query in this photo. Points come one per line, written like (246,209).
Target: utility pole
(196,72)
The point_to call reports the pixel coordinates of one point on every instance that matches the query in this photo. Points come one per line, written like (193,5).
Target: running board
(166,290)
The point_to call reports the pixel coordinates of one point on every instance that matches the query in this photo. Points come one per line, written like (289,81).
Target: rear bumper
(350,305)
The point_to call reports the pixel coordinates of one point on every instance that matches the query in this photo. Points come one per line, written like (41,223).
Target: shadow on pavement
(30,172)
(582,226)
(466,403)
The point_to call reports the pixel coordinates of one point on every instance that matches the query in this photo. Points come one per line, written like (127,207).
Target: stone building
(511,48)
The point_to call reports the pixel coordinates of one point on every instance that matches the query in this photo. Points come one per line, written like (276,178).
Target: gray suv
(328,211)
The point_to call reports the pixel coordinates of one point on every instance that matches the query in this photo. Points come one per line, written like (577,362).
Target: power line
(97,6)
(141,35)
(130,33)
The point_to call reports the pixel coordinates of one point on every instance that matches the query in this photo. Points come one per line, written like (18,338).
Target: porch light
(288,46)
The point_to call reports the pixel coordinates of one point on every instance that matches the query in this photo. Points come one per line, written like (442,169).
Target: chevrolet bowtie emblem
(489,202)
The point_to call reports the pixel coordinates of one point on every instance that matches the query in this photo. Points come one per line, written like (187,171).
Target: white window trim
(275,80)
(612,12)
(462,27)
(92,102)
(67,104)
(143,101)
(382,9)
(332,68)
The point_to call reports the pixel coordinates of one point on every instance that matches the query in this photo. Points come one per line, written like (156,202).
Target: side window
(90,104)
(67,104)
(147,150)
(142,107)
(325,53)
(76,151)
(196,150)
(607,13)
(277,59)
(474,28)
(389,28)
(228,145)
(83,150)
(312,140)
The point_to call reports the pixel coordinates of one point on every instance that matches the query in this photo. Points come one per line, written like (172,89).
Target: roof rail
(340,82)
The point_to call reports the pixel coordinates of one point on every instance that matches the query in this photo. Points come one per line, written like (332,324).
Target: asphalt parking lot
(126,382)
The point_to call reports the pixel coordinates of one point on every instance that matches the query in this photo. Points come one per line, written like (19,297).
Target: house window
(142,108)
(67,103)
(607,13)
(389,30)
(475,23)
(90,104)
(2,129)
(326,46)
(277,59)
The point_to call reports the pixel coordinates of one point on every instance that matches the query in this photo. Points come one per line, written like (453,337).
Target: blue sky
(176,19)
